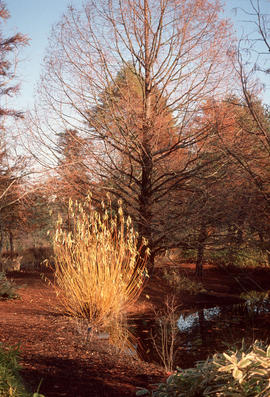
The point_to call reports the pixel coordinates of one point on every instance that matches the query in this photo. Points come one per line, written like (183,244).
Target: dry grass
(97,274)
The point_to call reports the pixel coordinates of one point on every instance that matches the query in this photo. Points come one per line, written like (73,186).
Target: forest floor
(53,349)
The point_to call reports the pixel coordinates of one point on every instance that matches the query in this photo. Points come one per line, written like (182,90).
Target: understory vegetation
(11,384)
(180,283)
(8,289)
(236,256)
(244,373)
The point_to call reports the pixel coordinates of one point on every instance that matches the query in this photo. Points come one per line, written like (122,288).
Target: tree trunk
(11,243)
(200,251)
(1,240)
(145,223)
(145,198)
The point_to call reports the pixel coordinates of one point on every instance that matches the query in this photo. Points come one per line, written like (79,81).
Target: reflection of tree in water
(143,328)
(225,326)
(207,331)
(202,324)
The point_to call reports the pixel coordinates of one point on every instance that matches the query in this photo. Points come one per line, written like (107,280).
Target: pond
(203,332)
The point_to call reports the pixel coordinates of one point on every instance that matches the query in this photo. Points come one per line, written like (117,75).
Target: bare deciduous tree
(253,70)
(131,76)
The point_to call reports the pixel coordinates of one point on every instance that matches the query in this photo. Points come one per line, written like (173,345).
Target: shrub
(97,271)
(241,257)
(9,262)
(166,337)
(244,372)
(11,384)
(246,257)
(7,288)
(10,381)
(180,283)
(34,257)
(255,300)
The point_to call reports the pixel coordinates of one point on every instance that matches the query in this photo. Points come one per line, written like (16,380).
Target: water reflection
(187,322)
(208,330)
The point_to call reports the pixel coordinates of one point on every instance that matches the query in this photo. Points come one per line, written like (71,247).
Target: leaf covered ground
(54,350)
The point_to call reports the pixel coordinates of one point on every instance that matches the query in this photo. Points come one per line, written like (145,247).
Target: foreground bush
(97,272)
(8,289)
(243,373)
(11,384)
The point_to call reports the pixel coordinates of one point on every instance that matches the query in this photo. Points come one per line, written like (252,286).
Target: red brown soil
(53,350)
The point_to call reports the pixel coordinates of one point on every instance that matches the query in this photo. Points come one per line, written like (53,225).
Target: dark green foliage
(7,288)
(11,384)
(182,284)
(243,373)
(239,257)
(10,380)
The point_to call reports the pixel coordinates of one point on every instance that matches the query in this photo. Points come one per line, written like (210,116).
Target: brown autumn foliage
(236,133)
(243,151)
(72,175)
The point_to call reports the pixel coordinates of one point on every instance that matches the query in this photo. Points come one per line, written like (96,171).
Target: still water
(206,331)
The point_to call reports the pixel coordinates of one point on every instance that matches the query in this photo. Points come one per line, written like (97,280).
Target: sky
(35,18)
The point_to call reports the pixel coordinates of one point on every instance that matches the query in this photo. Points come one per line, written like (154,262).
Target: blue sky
(35,19)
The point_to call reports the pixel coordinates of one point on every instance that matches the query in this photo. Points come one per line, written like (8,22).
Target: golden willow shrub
(97,272)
